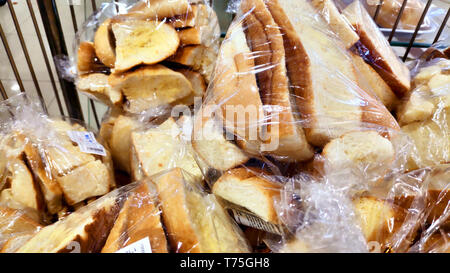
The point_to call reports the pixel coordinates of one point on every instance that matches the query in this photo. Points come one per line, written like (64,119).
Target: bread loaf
(194,220)
(377,50)
(246,188)
(138,219)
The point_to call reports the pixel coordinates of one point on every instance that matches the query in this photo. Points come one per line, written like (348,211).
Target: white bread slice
(96,84)
(143,42)
(378,219)
(92,179)
(104,44)
(337,22)
(198,57)
(381,56)
(195,221)
(138,219)
(159,9)
(150,86)
(15,223)
(417,106)
(307,44)
(190,36)
(161,148)
(198,86)
(14,243)
(50,189)
(196,15)
(245,188)
(120,141)
(201,26)
(235,89)
(213,148)
(85,230)
(326,86)
(284,128)
(374,82)
(430,139)
(87,60)
(23,189)
(365,151)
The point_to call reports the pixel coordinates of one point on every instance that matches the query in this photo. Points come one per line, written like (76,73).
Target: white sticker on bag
(141,246)
(250,220)
(87,142)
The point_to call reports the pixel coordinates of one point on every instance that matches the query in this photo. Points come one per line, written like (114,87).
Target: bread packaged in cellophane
(50,166)
(424,112)
(168,212)
(152,54)
(288,94)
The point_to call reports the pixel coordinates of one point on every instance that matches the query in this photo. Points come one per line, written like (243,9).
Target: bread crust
(377,50)
(139,218)
(292,144)
(104,44)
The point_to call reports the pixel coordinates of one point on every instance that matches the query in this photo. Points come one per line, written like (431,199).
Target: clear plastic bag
(130,219)
(424,113)
(281,96)
(52,166)
(146,55)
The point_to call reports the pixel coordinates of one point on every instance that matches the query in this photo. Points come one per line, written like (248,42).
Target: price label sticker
(87,142)
(141,246)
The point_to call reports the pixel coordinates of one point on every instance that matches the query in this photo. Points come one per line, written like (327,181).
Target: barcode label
(141,246)
(87,142)
(248,219)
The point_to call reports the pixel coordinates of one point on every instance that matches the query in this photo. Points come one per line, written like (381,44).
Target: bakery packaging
(149,55)
(50,166)
(301,132)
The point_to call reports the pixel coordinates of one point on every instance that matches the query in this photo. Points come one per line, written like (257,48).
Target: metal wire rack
(53,41)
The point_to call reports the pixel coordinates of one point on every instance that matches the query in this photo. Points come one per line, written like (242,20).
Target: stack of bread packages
(297,134)
(49,168)
(148,56)
(149,62)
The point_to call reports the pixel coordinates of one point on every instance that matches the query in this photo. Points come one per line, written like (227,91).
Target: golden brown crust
(104,44)
(377,50)
(175,214)
(139,218)
(292,142)
(253,178)
(87,60)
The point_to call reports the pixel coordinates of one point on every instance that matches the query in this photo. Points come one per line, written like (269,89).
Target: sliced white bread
(15,223)
(90,180)
(104,44)
(139,218)
(284,129)
(143,42)
(245,188)
(161,148)
(51,190)
(195,221)
(85,230)
(366,152)
(120,141)
(150,87)
(87,60)
(213,148)
(96,84)
(337,22)
(377,49)
(326,86)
